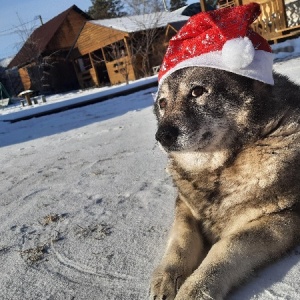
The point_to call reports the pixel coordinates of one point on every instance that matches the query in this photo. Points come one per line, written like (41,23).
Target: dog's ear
(261,87)
(264,105)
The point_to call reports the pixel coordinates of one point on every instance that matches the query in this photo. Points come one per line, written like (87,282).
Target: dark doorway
(100,68)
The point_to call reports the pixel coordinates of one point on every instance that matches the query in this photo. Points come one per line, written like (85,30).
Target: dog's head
(205,109)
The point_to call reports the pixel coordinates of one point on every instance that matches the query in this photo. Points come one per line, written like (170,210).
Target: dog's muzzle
(167,135)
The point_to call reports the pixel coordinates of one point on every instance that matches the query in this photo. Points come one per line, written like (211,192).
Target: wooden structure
(102,56)
(272,23)
(41,61)
(227,3)
(117,50)
(26,94)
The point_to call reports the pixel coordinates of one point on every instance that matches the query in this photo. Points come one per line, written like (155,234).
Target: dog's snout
(167,135)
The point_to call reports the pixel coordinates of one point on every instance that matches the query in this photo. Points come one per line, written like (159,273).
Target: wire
(14,28)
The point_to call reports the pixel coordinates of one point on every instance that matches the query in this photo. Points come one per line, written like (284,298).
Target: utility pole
(203,5)
(41,20)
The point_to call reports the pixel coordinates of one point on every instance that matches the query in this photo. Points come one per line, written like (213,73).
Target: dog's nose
(167,135)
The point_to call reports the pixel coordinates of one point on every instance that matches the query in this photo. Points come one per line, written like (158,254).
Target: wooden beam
(127,47)
(95,77)
(202,4)
(103,54)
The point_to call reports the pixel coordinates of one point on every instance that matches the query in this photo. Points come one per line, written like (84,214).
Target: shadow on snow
(23,131)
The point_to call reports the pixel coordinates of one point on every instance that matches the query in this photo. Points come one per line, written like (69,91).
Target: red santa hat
(221,39)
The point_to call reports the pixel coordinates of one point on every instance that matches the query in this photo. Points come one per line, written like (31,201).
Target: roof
(137,23)
(43,35)
(191,9)
(177,25)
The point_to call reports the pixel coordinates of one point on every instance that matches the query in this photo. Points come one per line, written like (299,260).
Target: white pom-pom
(238,53)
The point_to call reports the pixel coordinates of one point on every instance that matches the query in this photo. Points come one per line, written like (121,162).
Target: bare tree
(119,53)
(141,7)
(147,44)
(175,4)
(12,81)
(140,51)
(30,55)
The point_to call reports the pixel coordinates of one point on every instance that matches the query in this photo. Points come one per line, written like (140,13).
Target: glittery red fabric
(208,32)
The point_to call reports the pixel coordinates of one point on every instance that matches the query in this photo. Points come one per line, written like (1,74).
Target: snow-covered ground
(86,205)
(64,100)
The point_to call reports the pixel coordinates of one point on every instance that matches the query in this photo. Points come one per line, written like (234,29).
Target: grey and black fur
(234,155)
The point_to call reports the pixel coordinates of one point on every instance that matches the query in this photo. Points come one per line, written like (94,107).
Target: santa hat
(221,39)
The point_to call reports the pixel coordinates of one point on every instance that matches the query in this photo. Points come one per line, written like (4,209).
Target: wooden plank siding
(25,78)
(271,20)
(119,69)
(67,33)
(93,37)
(92,40)
(272,23)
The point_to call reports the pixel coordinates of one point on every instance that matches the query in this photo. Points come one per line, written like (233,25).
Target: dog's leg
(183,254)
(233,258)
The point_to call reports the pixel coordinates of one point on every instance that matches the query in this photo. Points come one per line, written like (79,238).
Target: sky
(16,12)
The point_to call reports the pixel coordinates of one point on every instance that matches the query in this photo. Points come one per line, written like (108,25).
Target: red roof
(41,37)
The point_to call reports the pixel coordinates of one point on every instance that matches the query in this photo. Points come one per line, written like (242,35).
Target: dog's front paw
(192,290)
(193,294)
(165,284)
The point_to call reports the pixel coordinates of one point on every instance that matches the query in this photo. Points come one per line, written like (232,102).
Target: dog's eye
(162,103)
(198,91)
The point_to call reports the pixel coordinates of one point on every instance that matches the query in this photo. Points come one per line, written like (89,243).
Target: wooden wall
(272,20)
(87,78)
(25,78)
(119,69)
(67,33)
(63,76)
(93,37)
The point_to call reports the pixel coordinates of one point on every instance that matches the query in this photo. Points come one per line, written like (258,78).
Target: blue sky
(15,12)
(28,10)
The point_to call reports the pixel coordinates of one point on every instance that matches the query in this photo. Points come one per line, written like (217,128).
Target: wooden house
(117,50)
(42,60)
(273,23)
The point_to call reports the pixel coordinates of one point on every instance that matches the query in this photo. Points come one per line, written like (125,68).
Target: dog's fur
(234,151)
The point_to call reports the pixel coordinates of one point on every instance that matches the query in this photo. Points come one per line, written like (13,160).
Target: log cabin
(41,61)
(113,51)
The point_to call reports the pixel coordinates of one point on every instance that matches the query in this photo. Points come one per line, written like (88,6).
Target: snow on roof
(142,22)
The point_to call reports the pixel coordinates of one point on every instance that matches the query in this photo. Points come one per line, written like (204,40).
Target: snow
(60,101)
(289,48)
(4,62)
(86,204)
(142,22)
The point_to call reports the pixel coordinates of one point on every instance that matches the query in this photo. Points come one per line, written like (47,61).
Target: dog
(234,156)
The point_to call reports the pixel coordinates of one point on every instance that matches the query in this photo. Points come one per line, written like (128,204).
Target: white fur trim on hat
(260,68)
